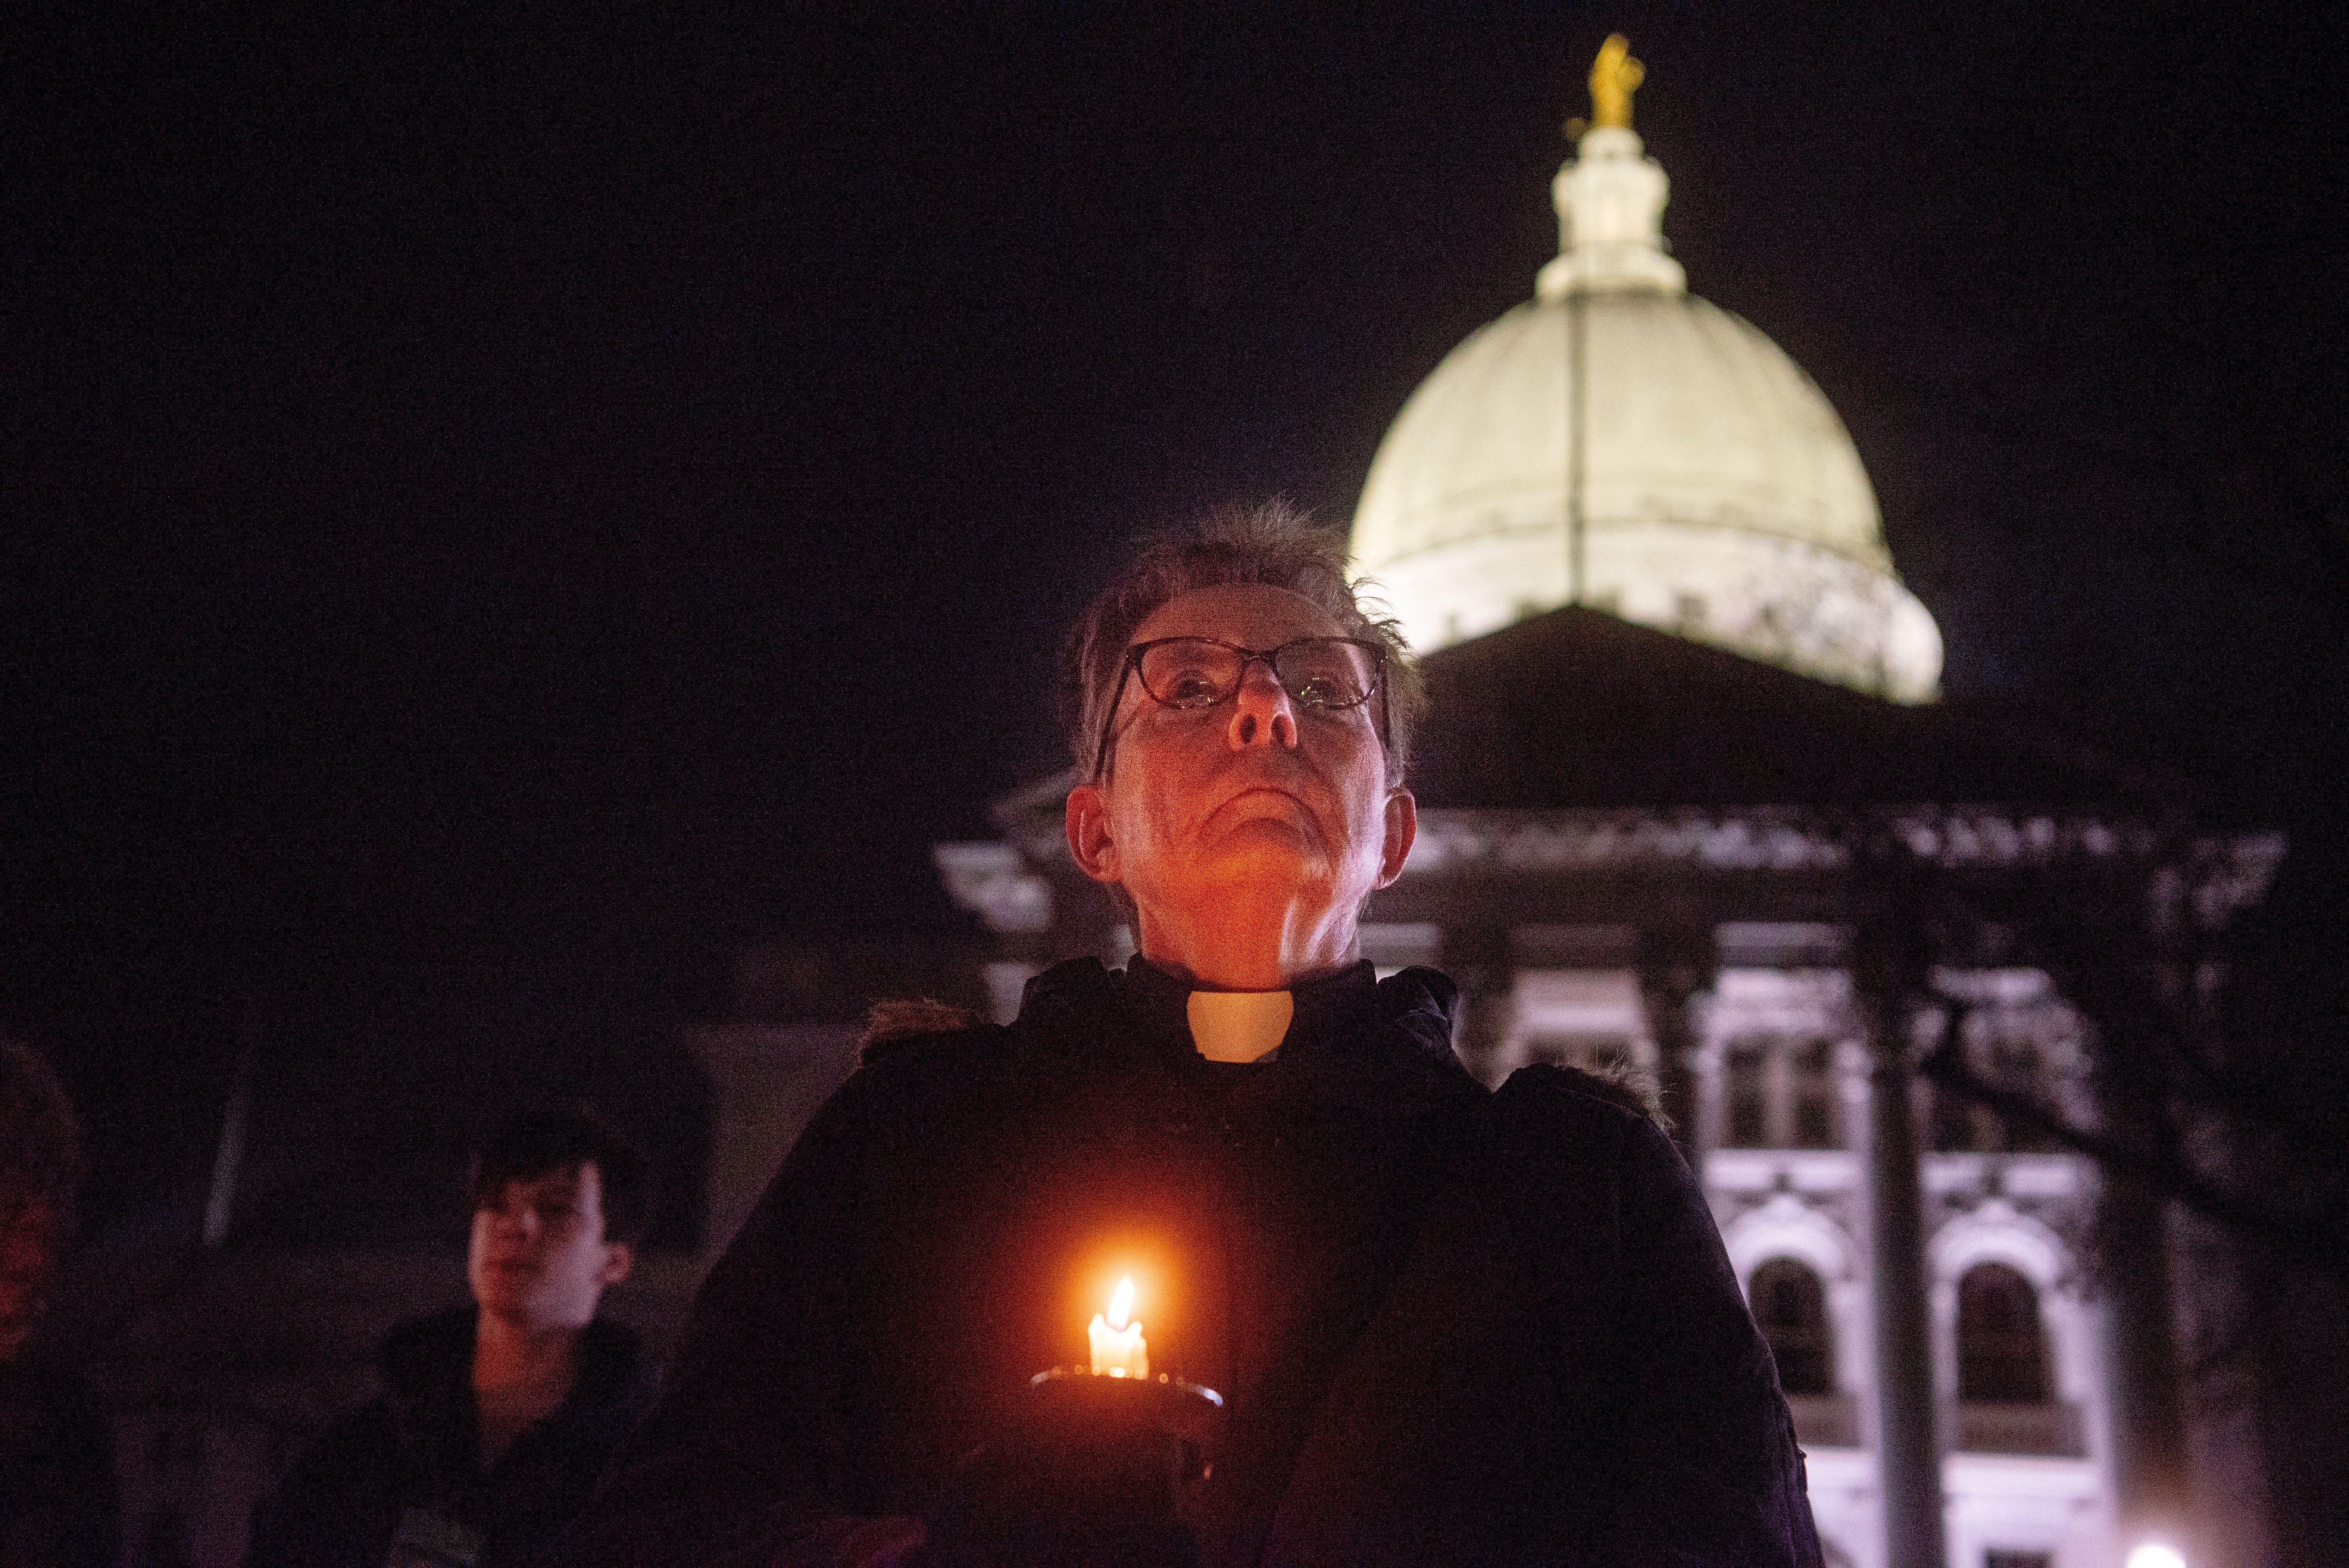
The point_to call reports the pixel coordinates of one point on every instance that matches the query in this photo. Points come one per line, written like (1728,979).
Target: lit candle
(1119,1349)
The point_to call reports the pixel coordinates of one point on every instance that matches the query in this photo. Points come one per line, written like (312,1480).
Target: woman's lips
(1290,799)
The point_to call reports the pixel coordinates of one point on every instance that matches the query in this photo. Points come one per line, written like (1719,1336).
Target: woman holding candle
(1451,1326)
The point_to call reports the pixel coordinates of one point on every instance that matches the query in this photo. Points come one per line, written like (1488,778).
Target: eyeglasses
(1323,674)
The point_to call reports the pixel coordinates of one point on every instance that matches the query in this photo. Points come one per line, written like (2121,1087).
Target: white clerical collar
(1239,1025)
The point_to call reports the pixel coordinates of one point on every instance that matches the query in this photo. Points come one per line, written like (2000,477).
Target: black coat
(419,1446)
(1450,1326)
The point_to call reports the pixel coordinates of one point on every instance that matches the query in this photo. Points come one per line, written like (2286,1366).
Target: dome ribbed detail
(1621,444)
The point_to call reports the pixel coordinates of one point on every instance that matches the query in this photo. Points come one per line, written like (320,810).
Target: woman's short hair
(1270,544)
(525,1147)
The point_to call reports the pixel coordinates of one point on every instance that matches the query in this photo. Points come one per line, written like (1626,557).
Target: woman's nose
(1262,714)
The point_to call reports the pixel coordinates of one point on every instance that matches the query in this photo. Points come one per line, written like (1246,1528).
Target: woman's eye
(1191,690)
(1319,692)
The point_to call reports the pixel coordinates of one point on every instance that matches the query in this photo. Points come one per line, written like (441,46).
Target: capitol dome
(1618,443)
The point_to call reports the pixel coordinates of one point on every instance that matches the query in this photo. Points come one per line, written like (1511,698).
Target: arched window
(2001,1351)
(1790,1307)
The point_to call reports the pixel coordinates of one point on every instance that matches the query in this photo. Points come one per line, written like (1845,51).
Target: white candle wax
(1119,1349)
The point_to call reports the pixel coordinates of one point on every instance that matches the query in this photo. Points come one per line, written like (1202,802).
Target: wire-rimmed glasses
(1322,674)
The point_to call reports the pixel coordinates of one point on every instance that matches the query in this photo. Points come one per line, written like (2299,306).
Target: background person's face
(1254,793)
(538,1252)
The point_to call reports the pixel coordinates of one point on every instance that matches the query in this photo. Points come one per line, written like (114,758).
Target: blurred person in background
(58,1505)
(495,1418)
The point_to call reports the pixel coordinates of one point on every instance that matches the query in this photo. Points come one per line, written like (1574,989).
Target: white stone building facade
(1779,1070)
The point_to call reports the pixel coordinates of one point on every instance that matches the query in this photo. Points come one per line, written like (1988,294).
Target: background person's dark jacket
(419,1446)
(58,1506)
(1452,1326)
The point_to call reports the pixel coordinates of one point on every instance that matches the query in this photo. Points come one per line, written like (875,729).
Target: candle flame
(1121,1305)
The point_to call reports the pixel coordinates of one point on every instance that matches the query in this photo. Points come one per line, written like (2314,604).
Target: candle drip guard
(1092,1472)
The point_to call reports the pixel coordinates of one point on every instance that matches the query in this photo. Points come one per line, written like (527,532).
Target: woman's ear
(1087,820)
(1402,827)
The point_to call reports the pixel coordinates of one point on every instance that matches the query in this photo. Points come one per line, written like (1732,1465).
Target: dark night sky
(609,486)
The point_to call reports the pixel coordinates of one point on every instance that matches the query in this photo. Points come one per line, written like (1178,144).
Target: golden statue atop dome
(1615,76)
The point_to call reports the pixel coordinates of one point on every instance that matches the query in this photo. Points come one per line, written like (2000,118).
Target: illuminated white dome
(1703,486)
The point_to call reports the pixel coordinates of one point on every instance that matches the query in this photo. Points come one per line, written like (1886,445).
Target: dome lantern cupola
(1610,199)
(1619,443)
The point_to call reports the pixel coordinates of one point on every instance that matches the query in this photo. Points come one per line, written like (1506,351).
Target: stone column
(2149,1466)
(1778,1092)
(2151,1477)
(2151,1484)
(1676,965)
(1709,1123)
(1906,1440)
